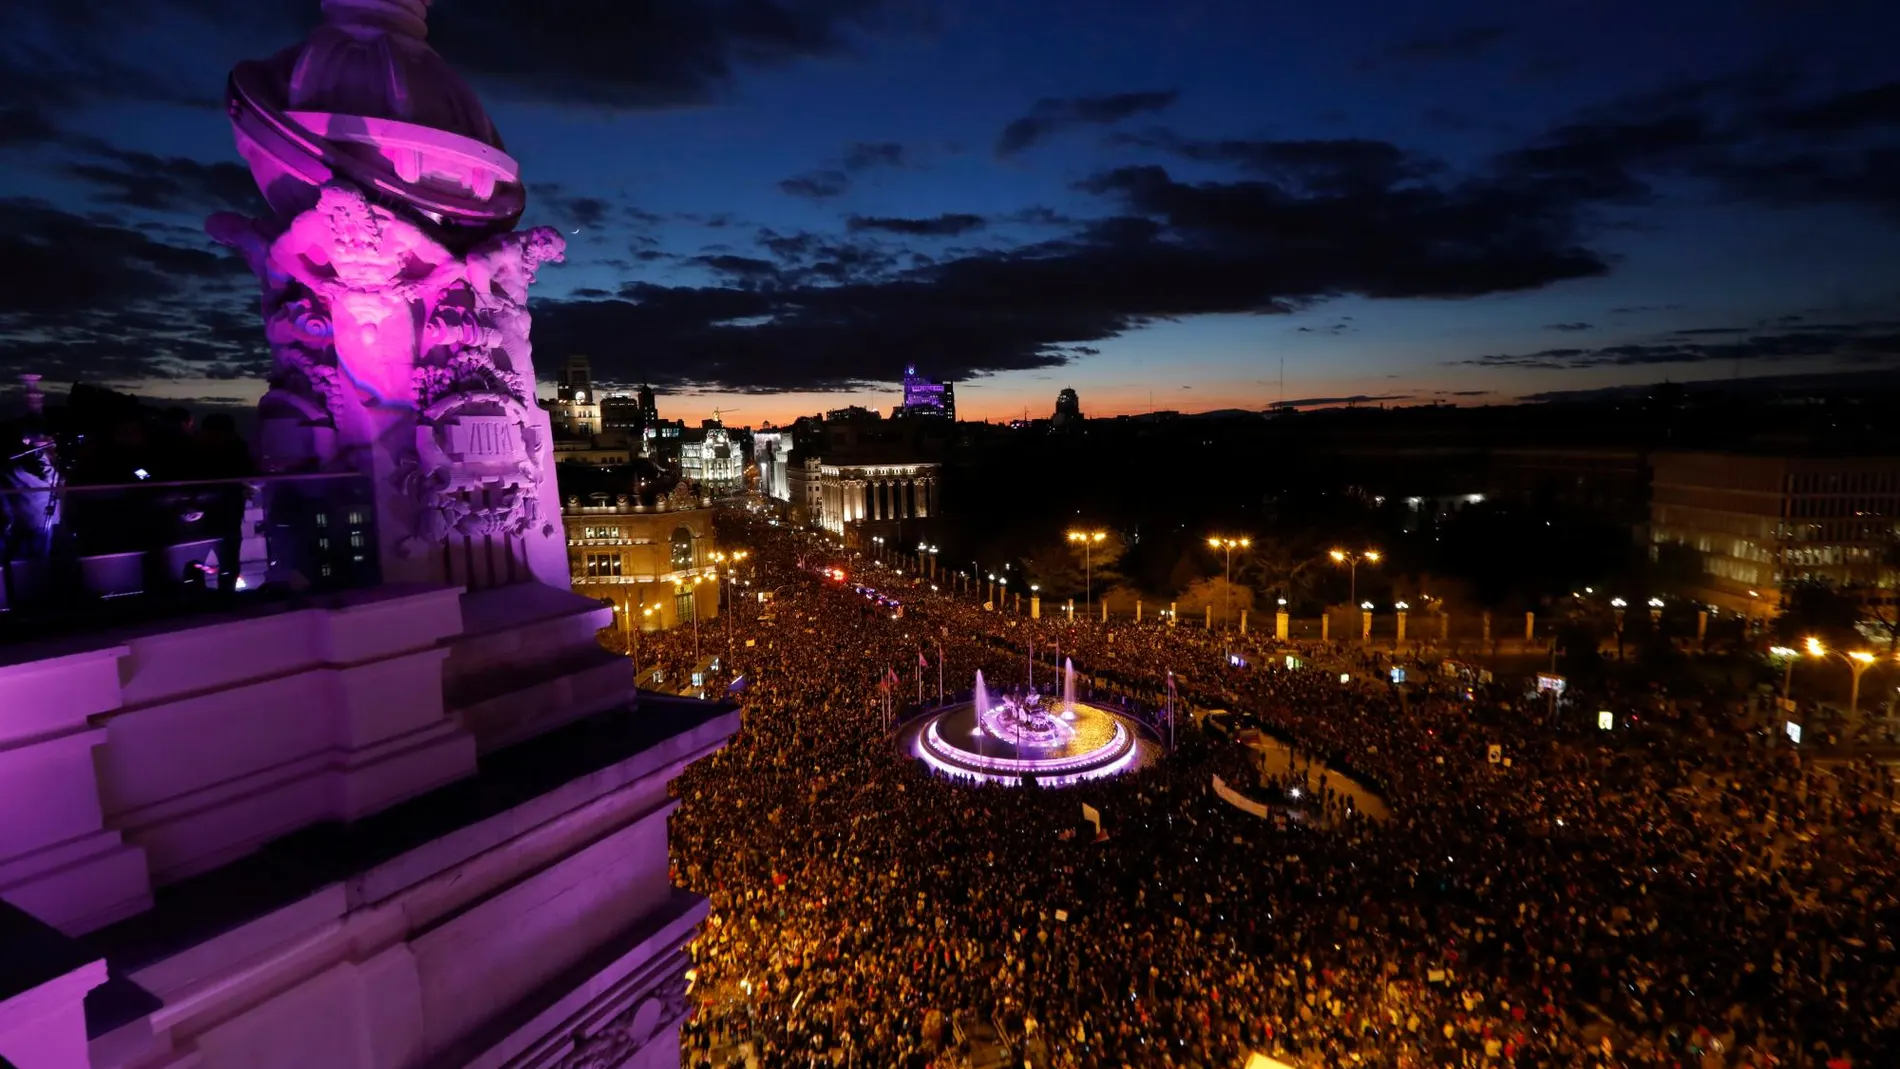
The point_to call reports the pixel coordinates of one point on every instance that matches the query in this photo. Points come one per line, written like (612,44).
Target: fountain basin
(1091,742)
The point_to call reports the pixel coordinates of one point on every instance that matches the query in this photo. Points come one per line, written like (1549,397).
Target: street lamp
(731,576)
(1351,561)
(632,633)
(1088,540)
(1228,545)
(1858,661)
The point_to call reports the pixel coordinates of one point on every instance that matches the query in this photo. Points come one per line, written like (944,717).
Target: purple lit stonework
(416,821)
(395,297)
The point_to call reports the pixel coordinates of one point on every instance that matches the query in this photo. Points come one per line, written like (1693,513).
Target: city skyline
(773,210)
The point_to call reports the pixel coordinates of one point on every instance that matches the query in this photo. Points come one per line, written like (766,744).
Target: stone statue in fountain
(394,293)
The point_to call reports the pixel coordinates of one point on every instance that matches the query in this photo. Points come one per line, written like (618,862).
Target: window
(600,532)
(684,605)
(682,548)
(603,565)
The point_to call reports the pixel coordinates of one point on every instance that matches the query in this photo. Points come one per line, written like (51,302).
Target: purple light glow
(1114,768)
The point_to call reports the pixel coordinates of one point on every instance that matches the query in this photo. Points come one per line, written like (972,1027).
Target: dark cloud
(1639,309)
(94,298)
(835,179)
(1851,112)
(1754,135)
(653,53)
(599,53)
(1327,166)
(1450,46)
(1568,327)
(864,155)
(1859,343)
(1051,115)
(25,125)
(1835,383)
(1353,399)
(949,224)
(814,312)
(816,185)
(567,208)
(1460,240)
(164,183)
(1469,393)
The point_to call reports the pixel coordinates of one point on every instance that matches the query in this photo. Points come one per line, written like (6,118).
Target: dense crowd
(1684,890)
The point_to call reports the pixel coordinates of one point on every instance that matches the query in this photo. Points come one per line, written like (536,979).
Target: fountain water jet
(1014,735)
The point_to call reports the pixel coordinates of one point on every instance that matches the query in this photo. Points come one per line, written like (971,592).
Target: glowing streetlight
(1227,546)
(1351,561)
(625,612)
(1858,661)
(1088,540)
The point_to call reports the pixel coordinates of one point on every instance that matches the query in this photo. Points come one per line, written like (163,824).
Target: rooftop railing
(74,558)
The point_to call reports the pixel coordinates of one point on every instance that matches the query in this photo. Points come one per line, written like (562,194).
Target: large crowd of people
(1685,890)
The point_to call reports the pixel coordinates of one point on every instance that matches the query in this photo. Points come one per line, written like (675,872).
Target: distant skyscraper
(649,412)
(1068,408)
(923,397)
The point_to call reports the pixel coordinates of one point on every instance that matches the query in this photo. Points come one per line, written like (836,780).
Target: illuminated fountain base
(1012,737)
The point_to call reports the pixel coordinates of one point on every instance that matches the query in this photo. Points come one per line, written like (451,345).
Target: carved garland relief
(365,311)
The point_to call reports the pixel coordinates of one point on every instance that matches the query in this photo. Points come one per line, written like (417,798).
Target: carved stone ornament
(613,1043)
(683,496)
(366,312)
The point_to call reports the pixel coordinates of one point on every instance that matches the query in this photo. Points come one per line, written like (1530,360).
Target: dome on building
(365,99)
(371,58)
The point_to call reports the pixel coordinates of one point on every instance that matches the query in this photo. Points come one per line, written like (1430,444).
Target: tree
(1278,566)
(1813,608)
(1677,569)
(1066,569)
(1879,600)
(1214,592)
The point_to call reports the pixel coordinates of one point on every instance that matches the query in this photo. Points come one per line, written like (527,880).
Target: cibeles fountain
(395,296)
(1020,736)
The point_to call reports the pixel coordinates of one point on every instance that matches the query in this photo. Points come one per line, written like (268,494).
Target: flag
(921,663)
(890,677)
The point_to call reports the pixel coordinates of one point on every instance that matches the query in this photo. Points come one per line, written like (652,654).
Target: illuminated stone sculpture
(394,295)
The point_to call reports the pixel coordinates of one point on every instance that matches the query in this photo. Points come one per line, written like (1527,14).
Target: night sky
(773,207)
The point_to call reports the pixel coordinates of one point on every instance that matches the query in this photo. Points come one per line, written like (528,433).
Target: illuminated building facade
(710,458)
(772,452)
(1760,521)
(1068,408)
(637,557)
(858,500)
(576,405)
(924,397)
